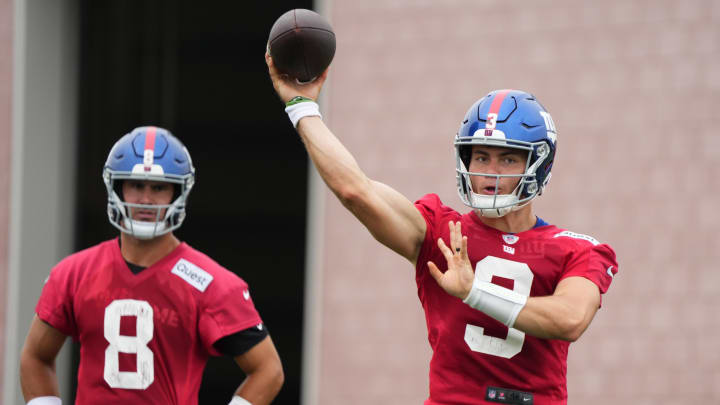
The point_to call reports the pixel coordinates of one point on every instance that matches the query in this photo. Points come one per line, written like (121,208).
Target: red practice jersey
(144,338)
(471,351)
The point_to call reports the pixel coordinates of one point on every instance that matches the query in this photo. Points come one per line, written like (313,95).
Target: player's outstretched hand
(288,88)
(458,279)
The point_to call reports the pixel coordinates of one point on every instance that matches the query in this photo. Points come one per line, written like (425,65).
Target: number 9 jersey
(144,338)
(474,354)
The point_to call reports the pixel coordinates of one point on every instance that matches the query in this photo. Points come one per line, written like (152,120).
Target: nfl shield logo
(491,394)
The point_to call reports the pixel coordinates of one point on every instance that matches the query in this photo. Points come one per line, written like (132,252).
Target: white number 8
(522,276)
(145,374)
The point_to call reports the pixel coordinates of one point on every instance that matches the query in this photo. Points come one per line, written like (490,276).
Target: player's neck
(145,253)
(513,222)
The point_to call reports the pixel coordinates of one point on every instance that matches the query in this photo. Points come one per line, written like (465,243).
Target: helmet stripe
(149,152)
(493,111)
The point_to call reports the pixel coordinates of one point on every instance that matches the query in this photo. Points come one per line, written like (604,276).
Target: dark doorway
(197,69)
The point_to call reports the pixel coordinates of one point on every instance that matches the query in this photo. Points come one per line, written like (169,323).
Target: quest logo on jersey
(194,275)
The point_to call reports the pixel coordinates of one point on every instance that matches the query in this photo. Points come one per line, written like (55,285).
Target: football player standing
(515,290)
(147,309)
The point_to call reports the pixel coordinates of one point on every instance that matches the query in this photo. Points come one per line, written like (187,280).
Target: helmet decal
(550,125)
(492,114)
(149,152)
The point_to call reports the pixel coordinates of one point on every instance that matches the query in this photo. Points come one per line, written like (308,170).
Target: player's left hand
(458,279)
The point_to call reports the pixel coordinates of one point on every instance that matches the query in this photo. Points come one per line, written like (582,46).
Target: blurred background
(633,87)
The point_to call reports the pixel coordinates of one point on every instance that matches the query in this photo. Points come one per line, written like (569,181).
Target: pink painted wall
(633,88)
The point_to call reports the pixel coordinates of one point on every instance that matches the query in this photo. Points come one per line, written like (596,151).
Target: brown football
(302,44)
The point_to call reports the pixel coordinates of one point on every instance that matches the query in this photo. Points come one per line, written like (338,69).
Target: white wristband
(45,401)
(302,110)
(238,400)
(495,301)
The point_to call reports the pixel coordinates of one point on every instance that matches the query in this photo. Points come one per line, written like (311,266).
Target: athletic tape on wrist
(45,401)
(238,400)
(301,110)
(495,301)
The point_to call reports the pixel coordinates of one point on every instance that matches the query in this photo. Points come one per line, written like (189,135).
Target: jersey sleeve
(228,308)
(596,262)
(55,305)
(240,342)
(432,210)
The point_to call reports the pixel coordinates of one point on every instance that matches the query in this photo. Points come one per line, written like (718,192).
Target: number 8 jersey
(473,352)
(144,338)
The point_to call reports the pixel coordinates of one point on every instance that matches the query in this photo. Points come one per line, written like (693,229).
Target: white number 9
(522,276)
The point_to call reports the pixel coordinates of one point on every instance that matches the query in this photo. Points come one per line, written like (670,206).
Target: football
(301,44)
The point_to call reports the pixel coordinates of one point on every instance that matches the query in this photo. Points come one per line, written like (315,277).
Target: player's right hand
(288,88)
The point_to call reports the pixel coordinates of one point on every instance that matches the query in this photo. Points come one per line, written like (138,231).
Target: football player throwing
(504,292)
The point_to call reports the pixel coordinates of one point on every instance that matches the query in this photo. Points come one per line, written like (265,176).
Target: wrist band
(238,400)
(298,99)
(495,301)
(302,109)
(45,401)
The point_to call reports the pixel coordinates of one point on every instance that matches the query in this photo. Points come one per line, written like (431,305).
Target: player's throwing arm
(389,216)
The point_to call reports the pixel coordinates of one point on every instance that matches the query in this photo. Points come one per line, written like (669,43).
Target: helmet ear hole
(465,155)
(113,213)
(117,188)
(177,191)
(177,218)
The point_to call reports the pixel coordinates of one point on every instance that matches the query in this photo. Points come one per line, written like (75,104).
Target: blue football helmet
(511,119)
(148,153)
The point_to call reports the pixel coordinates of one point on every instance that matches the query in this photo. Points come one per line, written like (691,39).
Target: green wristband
(297,100)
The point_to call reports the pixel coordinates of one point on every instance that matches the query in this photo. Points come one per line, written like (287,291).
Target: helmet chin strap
(506,203)
(144,230)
